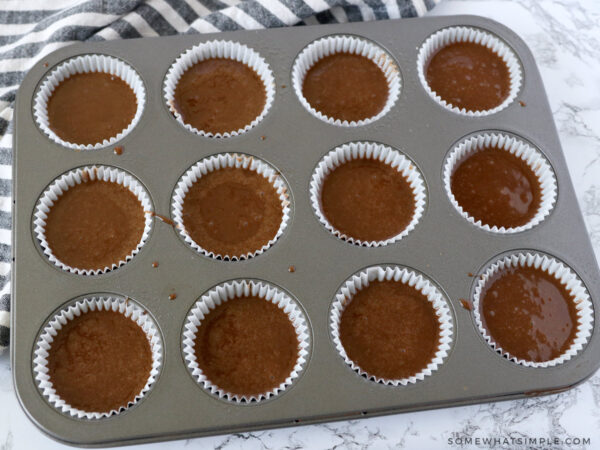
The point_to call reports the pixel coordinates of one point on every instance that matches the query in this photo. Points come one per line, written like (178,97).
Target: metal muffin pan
(443,246)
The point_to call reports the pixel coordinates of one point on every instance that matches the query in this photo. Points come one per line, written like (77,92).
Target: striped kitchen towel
(30,29)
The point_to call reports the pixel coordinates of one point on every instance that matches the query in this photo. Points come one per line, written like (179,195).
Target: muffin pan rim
(373,401)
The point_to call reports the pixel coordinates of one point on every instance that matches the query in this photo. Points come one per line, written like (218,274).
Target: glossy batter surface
(87,108)
(95,224)
(346,86)
(219,95)
(469,76)
(529,313)
(232,211)
(246,346)
(390,330)
(99,361)
(367,199)
(496,187)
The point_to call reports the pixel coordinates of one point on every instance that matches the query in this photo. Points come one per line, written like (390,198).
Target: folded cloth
(30,29)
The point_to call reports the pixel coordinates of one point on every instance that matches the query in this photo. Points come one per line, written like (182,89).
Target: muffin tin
(307,261)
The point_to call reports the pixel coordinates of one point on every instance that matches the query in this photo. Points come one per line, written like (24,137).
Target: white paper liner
(225,50)
(346,44)
(451,35)
(368,150)
(75,177)
(530,155)
(568,278)
(229,291)
(125,306)
(86,64)
(411,278)
(221,161)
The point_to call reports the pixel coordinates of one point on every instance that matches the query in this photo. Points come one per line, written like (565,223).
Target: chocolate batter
(368,200)
(346,86)
(529,313)
(496,187)
(390,330)
(232,211)
(219,95)
(99,361)
(94,224)
(466,304)
(469,75)
(246,346)
(87,108)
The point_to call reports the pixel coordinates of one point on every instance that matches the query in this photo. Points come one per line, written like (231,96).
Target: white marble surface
(565,38)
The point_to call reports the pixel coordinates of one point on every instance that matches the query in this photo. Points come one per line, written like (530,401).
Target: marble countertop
(564,36)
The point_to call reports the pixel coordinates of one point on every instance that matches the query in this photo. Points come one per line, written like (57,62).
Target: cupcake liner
(368,150)
(566,276)
(534,159)
(78,176)
(411,278)
(226,50)
(346,44)
(123,305)
(451,35)
(229,291)
(86,64)
(221,161)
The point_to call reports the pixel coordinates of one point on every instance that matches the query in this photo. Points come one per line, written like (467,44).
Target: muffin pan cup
(307,261)
(332,45)
(536,161)
(239,289)
(226,50)
(77,308)
(368,150)
(453,35)
(73,178)
(548,264)
(88,64)
(360,281)
(218,162)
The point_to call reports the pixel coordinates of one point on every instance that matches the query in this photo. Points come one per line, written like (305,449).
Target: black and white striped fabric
(30,29)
